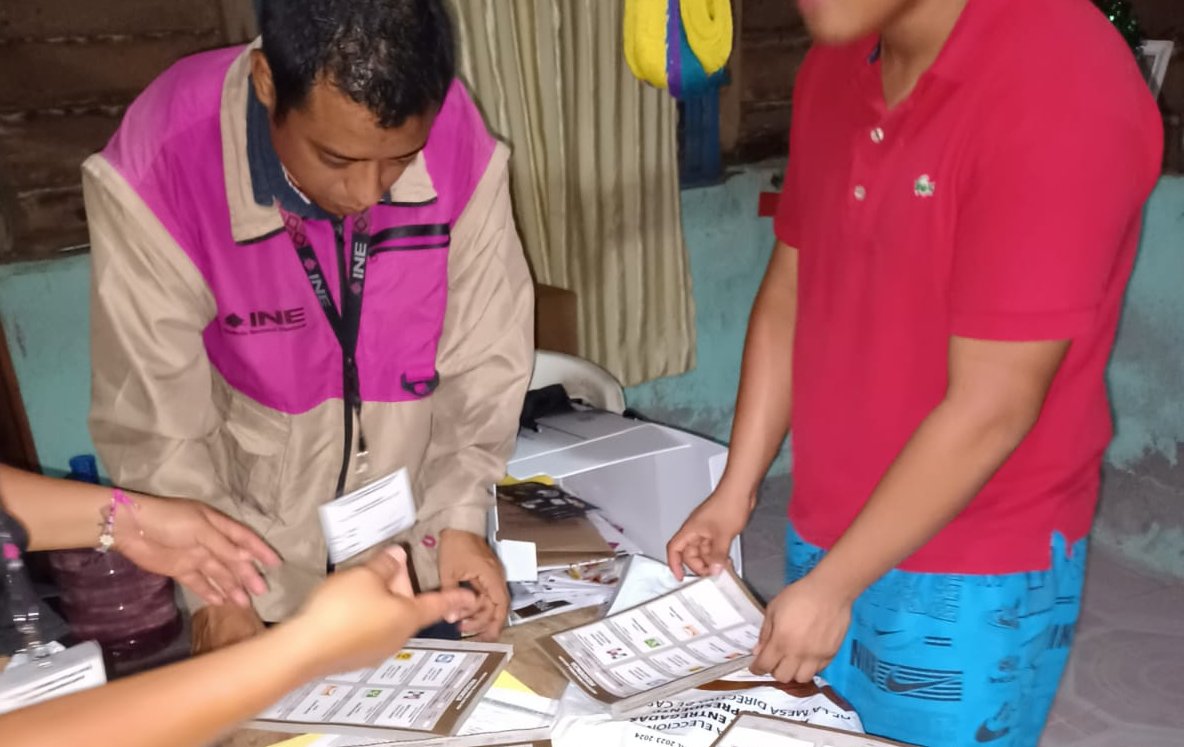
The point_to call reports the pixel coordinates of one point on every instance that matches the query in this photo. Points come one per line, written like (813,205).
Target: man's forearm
(944,465)
(765,397)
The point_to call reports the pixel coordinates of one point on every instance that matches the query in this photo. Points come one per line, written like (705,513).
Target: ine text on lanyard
(345,323)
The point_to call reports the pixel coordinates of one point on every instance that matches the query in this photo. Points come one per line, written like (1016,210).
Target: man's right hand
(703,541)
(361,615)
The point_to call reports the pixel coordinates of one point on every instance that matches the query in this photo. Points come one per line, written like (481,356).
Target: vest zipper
(346,363)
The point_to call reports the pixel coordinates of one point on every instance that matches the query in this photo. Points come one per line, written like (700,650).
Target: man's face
(333,148)
(843,21)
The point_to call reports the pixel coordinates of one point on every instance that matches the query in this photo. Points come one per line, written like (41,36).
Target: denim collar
(269,182)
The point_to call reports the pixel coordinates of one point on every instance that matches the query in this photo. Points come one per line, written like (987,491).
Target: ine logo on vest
(258,322)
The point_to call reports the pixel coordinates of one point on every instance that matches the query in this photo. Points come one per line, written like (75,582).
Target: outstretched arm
(355,619)
(213,555)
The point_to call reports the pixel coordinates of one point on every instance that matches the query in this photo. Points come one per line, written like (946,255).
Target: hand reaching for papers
(361,615)
(211,554)
(804,627)
(200,547)
(355,618)
(703,541)
(466,557)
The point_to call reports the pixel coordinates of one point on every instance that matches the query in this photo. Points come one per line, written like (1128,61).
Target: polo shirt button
(860,192)
(877,135)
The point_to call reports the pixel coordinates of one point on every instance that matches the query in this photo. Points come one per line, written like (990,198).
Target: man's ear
(262,81)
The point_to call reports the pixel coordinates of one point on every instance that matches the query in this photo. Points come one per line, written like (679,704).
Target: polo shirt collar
(966,43)
(961,48)
(256,184)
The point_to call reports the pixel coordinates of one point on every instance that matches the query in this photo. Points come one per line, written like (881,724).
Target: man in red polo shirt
(959,220)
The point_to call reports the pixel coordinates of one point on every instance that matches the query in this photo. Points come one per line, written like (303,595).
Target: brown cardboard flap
(556,320)
(556,542)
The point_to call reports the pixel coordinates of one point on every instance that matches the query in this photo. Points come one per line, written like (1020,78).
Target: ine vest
(269,338)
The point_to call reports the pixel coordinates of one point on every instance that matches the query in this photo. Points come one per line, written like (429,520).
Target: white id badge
(367,516)
(73,670)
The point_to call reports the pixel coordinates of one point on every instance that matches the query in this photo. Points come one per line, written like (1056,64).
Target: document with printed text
(760,730)
(427,689)
(693,635)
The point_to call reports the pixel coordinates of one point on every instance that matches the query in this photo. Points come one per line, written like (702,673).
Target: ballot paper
(564,590)
(697,717)
(758,730)
(643,579)
(428,689)
(528,604)
(457,741)
(509,714)
(695,634)
(371,514)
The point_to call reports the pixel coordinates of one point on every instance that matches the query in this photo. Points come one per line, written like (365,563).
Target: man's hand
(220,626)
(804,627)
(465,556)
(211,554)
(363,614)
(703,541)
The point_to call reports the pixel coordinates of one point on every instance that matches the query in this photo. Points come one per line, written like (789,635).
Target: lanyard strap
(346,322)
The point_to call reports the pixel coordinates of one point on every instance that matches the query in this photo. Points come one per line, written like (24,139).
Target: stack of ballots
(576,551)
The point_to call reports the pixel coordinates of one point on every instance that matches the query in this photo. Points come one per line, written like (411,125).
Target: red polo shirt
(1002,200)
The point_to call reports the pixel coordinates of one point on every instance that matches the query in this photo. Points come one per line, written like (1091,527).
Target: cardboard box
(646,478)
(556,320)
(556,543)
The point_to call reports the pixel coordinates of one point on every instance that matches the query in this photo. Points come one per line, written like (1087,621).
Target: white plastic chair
(583,380)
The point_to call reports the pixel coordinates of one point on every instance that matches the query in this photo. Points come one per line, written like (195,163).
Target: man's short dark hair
(395,57)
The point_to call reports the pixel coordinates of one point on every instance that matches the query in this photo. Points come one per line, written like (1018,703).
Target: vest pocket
(407,295)
(256,441)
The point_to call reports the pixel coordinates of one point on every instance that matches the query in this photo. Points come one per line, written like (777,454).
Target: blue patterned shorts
(951,660)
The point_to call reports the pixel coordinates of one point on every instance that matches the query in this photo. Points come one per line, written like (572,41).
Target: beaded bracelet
(107,536)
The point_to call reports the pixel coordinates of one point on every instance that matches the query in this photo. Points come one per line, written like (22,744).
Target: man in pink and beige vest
(250,202)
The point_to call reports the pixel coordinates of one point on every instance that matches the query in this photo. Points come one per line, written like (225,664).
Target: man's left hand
(804,627)
(465,556)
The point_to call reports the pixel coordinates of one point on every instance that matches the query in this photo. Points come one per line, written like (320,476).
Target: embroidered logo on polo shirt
(924,186)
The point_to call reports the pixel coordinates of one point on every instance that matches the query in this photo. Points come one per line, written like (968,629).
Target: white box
(76,669)
(647,478)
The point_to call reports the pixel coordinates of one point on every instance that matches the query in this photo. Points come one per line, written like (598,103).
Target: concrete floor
(1124,686)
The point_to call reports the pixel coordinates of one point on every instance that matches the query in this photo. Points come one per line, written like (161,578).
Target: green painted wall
(729,247)
(1147,371)
(43,307)
(1142,511)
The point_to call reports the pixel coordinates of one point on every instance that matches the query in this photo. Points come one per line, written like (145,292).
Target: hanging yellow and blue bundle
(679,45)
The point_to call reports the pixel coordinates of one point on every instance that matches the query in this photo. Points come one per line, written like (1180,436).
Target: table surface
(528,664)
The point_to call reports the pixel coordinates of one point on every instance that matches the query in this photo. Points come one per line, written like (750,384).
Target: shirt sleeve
(787,222)
(152,417)
(485,358)
(1045,212)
